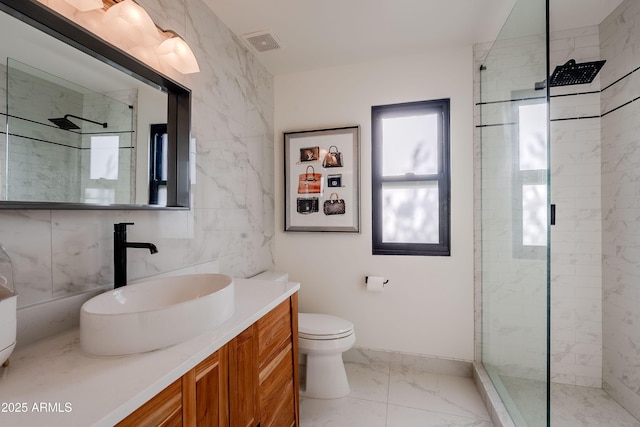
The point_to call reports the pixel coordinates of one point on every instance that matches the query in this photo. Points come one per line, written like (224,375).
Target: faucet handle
(121,226)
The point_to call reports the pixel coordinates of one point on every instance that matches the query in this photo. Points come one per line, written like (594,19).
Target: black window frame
(443,178)
(156,162)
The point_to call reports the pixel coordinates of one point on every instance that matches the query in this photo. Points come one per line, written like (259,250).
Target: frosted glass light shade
(62,7)
(147,55)
(86,5)
(177,53)
(130,25)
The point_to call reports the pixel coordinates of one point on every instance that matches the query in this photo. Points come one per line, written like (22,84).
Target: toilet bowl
(322,338)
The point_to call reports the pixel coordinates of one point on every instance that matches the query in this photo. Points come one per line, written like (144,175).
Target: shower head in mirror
(66,124)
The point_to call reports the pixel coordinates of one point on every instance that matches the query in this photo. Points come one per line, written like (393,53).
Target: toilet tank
(276,276)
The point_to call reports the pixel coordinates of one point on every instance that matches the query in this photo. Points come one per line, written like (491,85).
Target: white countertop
(52,383)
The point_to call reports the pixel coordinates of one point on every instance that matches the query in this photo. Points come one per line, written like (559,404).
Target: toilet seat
(315,326)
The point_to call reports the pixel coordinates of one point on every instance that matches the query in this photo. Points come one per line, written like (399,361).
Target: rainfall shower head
(575,74)
(66,124)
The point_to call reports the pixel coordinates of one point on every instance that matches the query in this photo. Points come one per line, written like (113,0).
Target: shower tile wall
(576,247)
(576,266)
(30,159)
(620,46)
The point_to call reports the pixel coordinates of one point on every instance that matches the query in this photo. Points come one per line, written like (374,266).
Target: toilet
(322,338)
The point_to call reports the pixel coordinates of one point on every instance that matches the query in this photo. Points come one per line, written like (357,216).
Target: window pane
(410,214)
(410,145)
(534,215)
(104,157)
(532,136)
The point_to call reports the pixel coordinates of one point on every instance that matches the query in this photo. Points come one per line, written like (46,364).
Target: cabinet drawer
(165,409)
(274,329)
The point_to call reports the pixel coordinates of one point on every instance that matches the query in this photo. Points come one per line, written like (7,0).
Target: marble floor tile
(345,412)
(368,381)
(528,400)
(374,384)
(399,416)
(573,406)
(439,393)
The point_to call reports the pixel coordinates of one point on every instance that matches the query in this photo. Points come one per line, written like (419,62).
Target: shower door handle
(552,214)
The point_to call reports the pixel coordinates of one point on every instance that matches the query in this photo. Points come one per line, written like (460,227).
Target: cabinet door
(211,390)
(278,365)
(163,410)
(277,393)
(243,379)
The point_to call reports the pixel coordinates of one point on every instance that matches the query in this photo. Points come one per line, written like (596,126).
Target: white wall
(427,307)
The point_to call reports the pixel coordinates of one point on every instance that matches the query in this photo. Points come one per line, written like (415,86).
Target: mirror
(87,126)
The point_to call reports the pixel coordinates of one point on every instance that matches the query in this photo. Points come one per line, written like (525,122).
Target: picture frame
(322,180)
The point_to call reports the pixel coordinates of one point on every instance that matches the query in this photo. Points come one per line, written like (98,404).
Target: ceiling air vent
(262,41)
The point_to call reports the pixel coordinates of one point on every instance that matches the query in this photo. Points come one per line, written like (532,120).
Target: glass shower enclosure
(514,197)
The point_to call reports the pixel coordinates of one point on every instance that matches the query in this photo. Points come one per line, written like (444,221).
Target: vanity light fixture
(86,5)
(129,25)
(175,52)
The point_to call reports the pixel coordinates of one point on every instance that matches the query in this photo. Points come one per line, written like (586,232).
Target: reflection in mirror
(56,152)
(66,143)
(158,164)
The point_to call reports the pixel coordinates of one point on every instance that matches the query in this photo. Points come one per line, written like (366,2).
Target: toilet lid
(323,326)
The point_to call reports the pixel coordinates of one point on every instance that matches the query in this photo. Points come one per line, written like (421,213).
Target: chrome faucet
(120,246)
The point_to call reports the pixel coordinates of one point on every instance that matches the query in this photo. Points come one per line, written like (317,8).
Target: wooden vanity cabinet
(251,381)
(243,379)
(206,393)
(278,388)
(199,398)
(163,410)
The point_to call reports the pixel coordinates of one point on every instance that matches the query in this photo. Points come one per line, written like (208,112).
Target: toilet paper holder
(366,280)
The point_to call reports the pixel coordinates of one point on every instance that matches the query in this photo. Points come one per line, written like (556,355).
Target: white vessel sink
(154,314)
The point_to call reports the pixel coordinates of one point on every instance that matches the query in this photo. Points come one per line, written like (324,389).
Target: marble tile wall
(619,42)
(576,272)
(407,361)
(575,248)
(32,160)
(60,253)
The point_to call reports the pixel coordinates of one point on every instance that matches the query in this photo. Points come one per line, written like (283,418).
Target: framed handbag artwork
(322,180)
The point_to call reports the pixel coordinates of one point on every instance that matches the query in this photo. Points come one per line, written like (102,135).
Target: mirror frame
(178,99)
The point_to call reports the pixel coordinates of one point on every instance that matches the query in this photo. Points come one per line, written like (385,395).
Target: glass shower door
(514,198)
